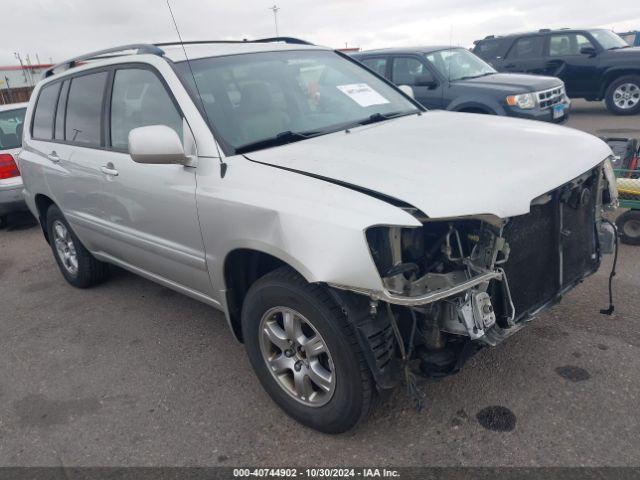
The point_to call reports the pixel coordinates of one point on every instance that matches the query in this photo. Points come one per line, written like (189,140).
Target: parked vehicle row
(317,205)
(455,79)
(594,64)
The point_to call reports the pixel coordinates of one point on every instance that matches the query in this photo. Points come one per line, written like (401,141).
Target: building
(17,82)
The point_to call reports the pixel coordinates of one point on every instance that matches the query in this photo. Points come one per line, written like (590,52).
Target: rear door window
(43,116)
(526,47)
(140,99)
(84,109)
(378,65)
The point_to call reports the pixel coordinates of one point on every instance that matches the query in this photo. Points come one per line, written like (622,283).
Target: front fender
(315,226)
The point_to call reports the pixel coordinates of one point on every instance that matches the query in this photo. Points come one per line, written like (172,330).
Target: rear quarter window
(487,49)
(43,116)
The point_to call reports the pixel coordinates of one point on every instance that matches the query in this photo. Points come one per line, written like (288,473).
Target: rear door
(525,55)
(564,60)
(150,210)
(76,153)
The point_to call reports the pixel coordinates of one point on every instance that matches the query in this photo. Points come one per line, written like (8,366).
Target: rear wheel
(629,227)
(76,264)
(623,95)
(305,352)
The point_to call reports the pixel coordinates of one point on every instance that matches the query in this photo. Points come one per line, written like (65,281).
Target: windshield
(11,128)
(608,40)
(288,96)
(458,63)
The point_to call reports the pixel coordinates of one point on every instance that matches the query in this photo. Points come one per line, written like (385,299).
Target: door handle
(109,170)
(511,65)
(53,156)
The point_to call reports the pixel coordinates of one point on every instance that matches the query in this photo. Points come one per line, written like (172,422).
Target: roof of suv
(177,52)
(538,32)
(407,50)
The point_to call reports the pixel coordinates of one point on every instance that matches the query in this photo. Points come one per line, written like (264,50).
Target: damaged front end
(455,285)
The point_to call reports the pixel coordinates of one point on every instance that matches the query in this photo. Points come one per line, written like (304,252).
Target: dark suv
(594,64)
(455,79)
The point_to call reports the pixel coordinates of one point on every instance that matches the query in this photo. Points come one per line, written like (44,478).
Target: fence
(15,95)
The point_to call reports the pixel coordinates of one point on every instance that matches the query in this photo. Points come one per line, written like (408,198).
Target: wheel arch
(473,107)
(242,267)
(612,75)
(43,203)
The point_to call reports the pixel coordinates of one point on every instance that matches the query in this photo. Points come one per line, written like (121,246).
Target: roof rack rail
(292,40)
(140,48)
(544,30)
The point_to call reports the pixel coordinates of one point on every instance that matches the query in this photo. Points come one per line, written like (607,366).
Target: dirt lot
(130,373)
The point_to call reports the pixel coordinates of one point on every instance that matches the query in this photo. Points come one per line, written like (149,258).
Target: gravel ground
(130,373)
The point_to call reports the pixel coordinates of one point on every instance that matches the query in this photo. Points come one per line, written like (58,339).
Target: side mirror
(425,81)
(156,144)
(591,51)
(407,90)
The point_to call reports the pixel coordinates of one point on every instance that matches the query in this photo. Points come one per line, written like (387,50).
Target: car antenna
(223,165)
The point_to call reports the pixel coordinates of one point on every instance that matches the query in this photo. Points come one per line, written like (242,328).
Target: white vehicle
(11,121)
(341,228)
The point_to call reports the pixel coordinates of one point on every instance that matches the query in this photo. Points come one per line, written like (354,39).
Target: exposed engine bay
(455,285)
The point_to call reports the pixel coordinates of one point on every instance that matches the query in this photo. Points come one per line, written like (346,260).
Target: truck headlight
(522,100)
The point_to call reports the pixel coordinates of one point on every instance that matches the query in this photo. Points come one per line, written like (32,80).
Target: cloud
(59,29)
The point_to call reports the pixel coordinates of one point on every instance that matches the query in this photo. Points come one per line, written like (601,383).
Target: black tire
(629,227)
(351,400)
(3,221)
(609,95)
(89,270)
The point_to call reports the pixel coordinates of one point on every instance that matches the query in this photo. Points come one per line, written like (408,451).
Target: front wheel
(623,95)
(629,227)
(305,352)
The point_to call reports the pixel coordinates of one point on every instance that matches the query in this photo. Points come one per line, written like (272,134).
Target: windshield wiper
(474,76)
(380,117)
(281,138)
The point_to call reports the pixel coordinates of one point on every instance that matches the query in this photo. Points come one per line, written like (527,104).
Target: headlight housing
(522,100)
(612,185)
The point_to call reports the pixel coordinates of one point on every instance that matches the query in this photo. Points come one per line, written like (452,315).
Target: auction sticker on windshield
(362,94)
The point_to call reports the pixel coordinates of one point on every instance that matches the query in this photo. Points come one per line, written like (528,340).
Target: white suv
(341,228)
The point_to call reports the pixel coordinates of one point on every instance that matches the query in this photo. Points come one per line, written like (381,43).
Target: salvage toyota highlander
(343,230)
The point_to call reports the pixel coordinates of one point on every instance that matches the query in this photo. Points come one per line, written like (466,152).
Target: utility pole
(275,9)
(24,73)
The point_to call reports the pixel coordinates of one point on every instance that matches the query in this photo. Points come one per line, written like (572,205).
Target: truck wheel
(305,352)
(623,95)
(76,264)
(629,227)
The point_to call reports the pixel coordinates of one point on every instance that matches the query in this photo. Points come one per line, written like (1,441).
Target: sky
(60,29)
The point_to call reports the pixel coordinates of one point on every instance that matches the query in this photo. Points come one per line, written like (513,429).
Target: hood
(447,163)
(512,82)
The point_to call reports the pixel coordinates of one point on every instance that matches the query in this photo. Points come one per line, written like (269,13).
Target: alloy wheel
(626,96)
(297,356)
(65,247)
